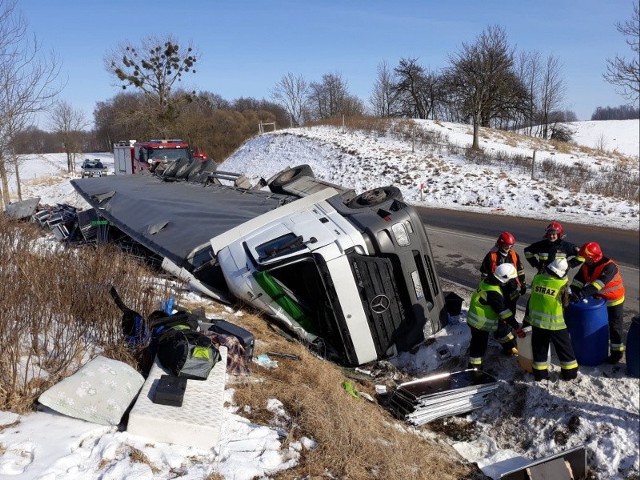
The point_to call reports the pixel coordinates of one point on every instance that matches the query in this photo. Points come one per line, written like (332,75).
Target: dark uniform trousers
(561,340)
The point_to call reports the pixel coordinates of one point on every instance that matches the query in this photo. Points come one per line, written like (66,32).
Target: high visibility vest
(482,316)
(513,258)
(613,291)
(494,259)
(545,306)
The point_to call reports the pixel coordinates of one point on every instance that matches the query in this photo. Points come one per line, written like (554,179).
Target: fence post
(533,166)
(413,139)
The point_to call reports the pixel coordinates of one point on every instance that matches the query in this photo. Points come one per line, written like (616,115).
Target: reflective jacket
(484,314)
(603,280)
(545,303)
(495,258)
(542,253)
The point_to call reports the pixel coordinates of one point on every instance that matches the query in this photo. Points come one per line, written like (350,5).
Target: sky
(507,433)
(246,47)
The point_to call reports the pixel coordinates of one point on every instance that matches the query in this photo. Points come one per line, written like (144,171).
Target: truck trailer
(352,275)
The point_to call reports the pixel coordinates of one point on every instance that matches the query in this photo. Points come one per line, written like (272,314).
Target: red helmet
(591,251)
(506,240)
(554,227)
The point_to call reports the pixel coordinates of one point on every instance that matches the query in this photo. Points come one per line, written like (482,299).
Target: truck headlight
(401,235)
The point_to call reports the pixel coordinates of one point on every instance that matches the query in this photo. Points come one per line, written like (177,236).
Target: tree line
(621,112)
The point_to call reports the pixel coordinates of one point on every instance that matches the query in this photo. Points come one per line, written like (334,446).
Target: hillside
(567,185)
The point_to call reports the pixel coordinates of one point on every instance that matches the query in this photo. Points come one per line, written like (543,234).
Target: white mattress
(196,423)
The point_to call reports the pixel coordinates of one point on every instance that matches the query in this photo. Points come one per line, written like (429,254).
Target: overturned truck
(351,275)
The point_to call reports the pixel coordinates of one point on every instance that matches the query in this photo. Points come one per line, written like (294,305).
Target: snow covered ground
(523,419)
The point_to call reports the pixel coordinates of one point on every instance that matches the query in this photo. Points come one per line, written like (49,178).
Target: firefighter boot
(615,357)
(568,374)
(539,375)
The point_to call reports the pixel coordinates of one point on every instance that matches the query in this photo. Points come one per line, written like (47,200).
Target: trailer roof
(173,218)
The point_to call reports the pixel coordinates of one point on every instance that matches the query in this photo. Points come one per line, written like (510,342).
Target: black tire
(202,173)
(289,175)
(375,197)
(173,167)
(186,169)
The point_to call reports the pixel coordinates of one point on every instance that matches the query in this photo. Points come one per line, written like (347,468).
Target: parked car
(92,168)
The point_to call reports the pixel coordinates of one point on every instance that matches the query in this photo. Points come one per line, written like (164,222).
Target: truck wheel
(289,175)
(372,198)
(186,168)
(172,169)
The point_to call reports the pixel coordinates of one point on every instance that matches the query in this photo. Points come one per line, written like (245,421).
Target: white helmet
(505,272)
(558,267)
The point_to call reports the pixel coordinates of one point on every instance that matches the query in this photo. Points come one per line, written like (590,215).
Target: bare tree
(625,74)
(382,98)
(154,68)
(482,82)
(551,93)
(416,89)
(68,123)
(528,71)
(27,85)
(291,93)
(330,98)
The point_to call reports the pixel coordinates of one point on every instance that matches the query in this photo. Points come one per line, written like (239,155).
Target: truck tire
(185,170)
(202,173)
(172,169)
(377,196)
(289,175)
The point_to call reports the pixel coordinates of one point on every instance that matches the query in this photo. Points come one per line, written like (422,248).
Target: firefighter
(489,313)
(503,252)
(542,253)
(545,314)
(600,277)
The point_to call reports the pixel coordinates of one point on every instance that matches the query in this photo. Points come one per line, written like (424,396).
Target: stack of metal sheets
(87,222)
(426,399)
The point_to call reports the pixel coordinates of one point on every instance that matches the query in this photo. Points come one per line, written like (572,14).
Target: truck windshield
(167,154)
(305,300)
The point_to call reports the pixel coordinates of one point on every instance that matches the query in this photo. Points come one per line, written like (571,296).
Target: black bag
(187,353)
(159,321)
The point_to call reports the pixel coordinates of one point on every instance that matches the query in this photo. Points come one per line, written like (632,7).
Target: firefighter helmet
(505,272)
(505,240)
(558,267)
(591,251)
(554,227)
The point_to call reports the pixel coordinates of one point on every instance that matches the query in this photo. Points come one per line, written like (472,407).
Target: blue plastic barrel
(589,328)
(633,348)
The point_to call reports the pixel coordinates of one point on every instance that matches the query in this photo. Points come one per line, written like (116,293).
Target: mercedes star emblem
(380,304)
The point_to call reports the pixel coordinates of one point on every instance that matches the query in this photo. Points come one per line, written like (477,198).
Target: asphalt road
(461,239)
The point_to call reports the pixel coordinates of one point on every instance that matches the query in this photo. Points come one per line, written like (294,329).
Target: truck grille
(378,293)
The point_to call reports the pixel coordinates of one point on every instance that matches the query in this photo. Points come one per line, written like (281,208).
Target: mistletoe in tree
(154,68)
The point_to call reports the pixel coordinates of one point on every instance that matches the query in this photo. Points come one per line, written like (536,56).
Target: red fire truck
(134,157)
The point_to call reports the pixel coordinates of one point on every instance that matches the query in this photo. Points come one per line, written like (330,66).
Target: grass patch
(57,311)
(356,439)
